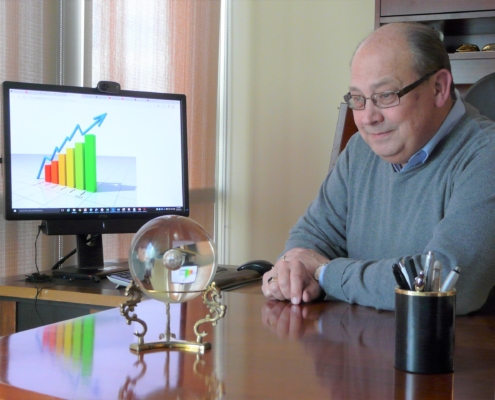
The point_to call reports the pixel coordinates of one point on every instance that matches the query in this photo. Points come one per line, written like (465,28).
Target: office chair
(482,96)
(343,132)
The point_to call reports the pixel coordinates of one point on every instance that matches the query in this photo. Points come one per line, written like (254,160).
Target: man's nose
(371,114)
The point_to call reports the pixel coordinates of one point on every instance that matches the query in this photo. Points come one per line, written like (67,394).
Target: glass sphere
(172,259)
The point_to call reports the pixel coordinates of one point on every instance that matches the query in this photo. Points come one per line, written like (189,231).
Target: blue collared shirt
(422,155)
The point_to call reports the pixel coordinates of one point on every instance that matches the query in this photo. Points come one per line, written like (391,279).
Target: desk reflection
(203,383)
(90,358)
(353,351)
(320,350)
(72,343)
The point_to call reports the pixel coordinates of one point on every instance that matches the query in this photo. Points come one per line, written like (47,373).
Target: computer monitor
(90,161)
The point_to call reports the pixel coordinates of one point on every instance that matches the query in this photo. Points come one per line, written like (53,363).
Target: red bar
(54,171)
(48,173)
(52,337)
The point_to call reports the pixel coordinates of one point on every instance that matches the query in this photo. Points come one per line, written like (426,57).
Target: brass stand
(167,340)
(214,388)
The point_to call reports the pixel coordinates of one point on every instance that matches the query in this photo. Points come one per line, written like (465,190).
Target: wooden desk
(260,350)
(25,305)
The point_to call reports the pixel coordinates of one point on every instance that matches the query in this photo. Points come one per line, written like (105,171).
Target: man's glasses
(383,99)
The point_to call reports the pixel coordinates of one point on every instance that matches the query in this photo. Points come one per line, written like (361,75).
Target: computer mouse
(260,266)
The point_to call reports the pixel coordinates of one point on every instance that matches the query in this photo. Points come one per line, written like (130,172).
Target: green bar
(88,339)
(90,162)
(79,165)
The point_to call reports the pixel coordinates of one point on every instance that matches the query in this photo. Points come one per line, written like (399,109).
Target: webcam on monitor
(108,87)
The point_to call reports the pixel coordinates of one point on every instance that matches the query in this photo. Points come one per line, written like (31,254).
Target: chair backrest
(343,132)
(482,96)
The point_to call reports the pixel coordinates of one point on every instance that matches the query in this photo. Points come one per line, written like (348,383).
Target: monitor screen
(85,161)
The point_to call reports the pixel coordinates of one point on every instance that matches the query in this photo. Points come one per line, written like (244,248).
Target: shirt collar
(422,155)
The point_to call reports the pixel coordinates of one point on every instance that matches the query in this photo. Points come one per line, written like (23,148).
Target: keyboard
(226,277)
(122,278)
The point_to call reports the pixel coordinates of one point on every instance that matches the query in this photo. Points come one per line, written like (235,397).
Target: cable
(63,259)
(39,289)
(37,276)
(38,292)
(36,249)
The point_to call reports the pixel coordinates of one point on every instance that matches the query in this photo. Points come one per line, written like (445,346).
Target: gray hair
(428,51)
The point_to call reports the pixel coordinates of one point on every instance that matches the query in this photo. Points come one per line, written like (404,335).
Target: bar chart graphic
(76,167)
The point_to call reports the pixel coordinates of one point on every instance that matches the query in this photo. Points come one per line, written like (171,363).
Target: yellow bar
(59,339)
(68,339)
(76,341)
(62,179)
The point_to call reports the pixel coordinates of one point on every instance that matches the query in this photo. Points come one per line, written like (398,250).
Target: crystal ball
(172,259)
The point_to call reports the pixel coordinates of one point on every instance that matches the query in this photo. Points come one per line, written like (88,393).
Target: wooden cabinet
(414,7)
(460,21)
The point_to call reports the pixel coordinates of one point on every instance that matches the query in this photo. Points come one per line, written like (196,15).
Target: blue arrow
(98,121)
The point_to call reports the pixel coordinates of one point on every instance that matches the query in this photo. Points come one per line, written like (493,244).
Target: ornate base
(217,311)
(172,345)
(214,388)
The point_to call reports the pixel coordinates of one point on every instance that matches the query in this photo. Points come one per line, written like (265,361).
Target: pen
(399,278)
(451,280)
(411,271)
(430,259)
(436,277)
(405,275)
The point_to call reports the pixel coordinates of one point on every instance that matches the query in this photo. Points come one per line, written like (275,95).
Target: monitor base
(37,277)
(74,272)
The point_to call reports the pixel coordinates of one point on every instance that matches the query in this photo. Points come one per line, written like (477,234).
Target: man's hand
(292,277)
(289,321)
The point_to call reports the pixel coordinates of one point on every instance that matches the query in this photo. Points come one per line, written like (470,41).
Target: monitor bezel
(101,222)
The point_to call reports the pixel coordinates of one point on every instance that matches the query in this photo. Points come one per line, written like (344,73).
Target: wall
(288,70)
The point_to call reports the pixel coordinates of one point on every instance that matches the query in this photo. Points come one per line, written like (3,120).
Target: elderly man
(419,177)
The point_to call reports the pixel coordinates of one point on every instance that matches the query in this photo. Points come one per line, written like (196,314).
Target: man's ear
(443,80)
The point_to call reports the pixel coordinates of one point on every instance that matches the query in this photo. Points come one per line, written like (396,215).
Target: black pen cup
(408,386)
(424,331)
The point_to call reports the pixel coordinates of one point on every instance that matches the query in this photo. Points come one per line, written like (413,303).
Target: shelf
(415,7)
(453,24)
(479,21)
(475,55)
(467,68)
(460,22)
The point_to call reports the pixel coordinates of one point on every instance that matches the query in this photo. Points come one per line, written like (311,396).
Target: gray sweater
(367,217)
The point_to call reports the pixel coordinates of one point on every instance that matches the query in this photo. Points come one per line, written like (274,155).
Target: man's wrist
(318,271)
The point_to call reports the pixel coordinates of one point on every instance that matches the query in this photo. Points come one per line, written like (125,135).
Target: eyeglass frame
(399,93)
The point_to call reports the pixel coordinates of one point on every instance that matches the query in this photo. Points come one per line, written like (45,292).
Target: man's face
(395,133)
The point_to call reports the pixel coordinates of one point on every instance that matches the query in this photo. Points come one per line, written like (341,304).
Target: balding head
(385,36)
(422,44)
(391,62)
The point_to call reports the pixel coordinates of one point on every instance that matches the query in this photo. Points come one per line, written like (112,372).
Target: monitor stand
(90,264)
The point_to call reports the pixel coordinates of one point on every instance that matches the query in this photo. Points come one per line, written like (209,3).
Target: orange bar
(54,171)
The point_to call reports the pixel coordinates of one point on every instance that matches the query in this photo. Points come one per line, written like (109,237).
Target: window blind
(150,45)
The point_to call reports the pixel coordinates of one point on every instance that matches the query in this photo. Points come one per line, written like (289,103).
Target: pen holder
(408,386)
(424,331)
